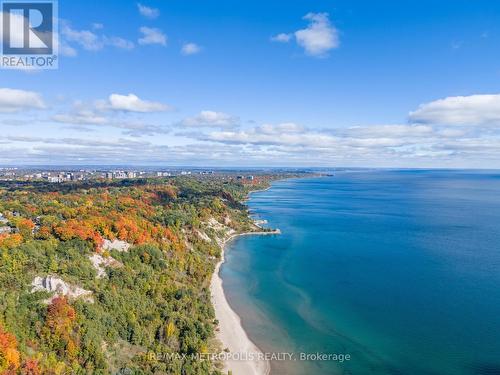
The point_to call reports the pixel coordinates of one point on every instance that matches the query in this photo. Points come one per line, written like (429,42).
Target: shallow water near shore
(398,269)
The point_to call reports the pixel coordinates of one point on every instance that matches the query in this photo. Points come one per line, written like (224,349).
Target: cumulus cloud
(278,144)
(317,39)
(13,100)
(152,36)
(369,141)
(190,49)
(218,137)
(211,119)
(131,103)
(148,12)
(125,112)
(460,110)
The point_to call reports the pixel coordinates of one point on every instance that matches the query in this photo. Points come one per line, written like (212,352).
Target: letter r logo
(27,28)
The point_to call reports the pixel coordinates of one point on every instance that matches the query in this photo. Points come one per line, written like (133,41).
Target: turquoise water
(399,269)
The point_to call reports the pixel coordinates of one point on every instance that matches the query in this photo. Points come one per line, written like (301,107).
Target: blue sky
(295,83)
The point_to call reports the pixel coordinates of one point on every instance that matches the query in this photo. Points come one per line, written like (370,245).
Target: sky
(338,83)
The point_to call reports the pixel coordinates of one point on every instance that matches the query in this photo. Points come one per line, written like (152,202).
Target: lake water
(398,269)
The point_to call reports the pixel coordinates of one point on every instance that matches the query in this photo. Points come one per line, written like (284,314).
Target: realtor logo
(29,34)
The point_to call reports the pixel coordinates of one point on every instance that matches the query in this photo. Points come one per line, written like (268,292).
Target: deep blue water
(400,269)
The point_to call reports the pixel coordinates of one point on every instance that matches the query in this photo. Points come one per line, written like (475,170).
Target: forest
(110,307)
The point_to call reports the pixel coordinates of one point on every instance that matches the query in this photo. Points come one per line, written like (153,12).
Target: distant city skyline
(262,84)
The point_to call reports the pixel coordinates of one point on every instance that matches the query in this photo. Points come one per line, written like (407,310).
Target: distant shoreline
(231,332)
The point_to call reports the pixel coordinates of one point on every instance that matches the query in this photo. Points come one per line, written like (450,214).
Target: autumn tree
(9,241)
(25,227)
(60,321)
(9,355)
(30,367)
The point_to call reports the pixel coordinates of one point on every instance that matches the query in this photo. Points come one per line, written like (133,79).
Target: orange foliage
(169,235)
(44,233)
(30,367)
(99,214)
(25,226)
(128,230)
(71,349)
(60,320)
(60,317)
(10,241)
(9,355)
(126,201)
(77,229)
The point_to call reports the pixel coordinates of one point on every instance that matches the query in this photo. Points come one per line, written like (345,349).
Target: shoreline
(231,332)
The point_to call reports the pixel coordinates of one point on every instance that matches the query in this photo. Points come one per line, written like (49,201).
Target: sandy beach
(231,333)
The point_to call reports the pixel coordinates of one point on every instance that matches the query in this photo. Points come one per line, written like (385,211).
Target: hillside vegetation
(151,297)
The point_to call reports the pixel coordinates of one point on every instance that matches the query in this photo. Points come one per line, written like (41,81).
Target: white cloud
(131,103)
(367,143)
(190,49)
(89,41)
(85,38)
(452,133)
(460,110)
(152,36)
(148,12)
(66,50)
(218,137)
(275,135)
(211,119)
(319,37)
(91,120)
(267,145)
(282,38)
(390,131)
(97,26)
(85,117)
(12,100)
(289,134)
(285,127)
(82,117)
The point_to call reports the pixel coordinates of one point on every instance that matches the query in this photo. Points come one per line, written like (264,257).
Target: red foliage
(30,367)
